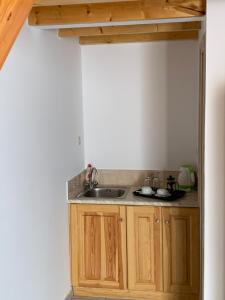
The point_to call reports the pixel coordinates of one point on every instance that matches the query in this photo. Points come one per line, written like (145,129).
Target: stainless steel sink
(105,192)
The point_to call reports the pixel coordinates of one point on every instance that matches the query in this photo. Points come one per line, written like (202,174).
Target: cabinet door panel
(101,246)
(111,248)
(144,248)
(92,246)
(181,250)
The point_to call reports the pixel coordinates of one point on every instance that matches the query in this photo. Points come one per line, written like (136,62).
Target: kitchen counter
(189,200)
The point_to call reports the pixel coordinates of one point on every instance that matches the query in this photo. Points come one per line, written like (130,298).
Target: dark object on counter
(171,184)
(172,197)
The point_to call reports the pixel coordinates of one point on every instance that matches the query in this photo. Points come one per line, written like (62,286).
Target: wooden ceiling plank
(191,4)
(131,38)
(108,30)
(129,29)
(183,26)
(187,10)
(72,2)
(199,5)
(110,12)
(13,14)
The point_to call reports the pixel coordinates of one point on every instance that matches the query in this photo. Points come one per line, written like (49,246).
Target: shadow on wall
(172,110)
(148,99)
(183,102)
(214,184)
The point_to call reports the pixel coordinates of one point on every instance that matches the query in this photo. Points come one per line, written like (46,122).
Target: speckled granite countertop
(189,200)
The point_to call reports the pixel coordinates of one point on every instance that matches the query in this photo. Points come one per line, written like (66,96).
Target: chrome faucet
(92,182)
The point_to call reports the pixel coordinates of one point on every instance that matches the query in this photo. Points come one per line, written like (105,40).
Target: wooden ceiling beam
(71,2)
(13,14)
(129,29)
(145,37)
(115,12)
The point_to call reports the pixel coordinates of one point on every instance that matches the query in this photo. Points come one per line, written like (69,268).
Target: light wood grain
(123,248)
(144,238)
(162,250)
(110,228)
(70,2)
(181,255)
(107,30)
(12,16)
(183,26)
(144,37)
(109,12)
(91,224)
(131,29)
(101,237)
(73,230)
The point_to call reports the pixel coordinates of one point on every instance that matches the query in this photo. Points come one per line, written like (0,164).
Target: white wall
(140,104)
(214,287)
(40,119)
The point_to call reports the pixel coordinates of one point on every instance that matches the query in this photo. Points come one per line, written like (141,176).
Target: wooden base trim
(128,294)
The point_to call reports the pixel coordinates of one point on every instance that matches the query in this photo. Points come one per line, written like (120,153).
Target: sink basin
(105,192)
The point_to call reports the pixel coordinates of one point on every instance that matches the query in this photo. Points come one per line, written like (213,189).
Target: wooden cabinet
(161,258)
(163,249)
(144,241)
(181,250)
(98,246)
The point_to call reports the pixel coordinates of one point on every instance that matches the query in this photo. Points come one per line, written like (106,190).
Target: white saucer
(164,196)
(152,193)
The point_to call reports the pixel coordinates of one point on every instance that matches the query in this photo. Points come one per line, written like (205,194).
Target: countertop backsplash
(119,178)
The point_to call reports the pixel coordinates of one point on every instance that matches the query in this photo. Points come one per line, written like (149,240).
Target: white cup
(163,192)
(146,190)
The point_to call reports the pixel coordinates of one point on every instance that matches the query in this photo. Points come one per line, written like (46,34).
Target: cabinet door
(144,238)
(100,247)
(181,254)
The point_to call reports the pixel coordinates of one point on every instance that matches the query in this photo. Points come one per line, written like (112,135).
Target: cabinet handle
(157,221)
(120,219)
(167,222)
